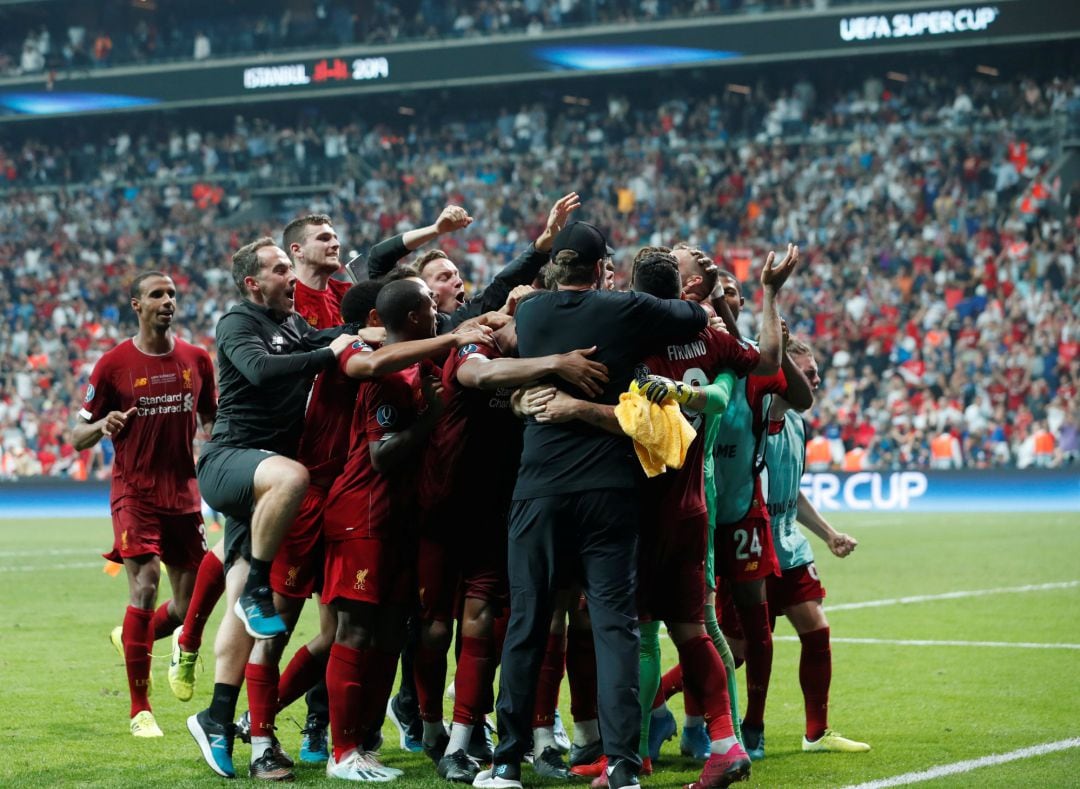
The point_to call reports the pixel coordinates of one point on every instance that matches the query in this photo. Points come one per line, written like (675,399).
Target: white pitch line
(925,643)
(969,765)
(30,568)
(48,552)
(926,598)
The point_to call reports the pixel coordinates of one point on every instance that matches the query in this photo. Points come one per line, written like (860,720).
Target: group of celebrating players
(420,460)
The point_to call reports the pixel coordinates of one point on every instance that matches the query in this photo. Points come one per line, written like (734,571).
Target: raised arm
(385,255)
(523,269)
(773,278)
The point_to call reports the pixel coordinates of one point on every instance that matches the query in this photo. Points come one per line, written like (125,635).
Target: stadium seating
(940,276)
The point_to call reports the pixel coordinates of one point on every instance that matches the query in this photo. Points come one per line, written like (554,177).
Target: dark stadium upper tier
(48,34)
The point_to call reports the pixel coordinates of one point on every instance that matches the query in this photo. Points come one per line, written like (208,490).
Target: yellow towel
(661,434)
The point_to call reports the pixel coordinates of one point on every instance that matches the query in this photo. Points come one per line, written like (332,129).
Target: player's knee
(435,635)
(681,632)
(144,589)
(320,645)
(479,620)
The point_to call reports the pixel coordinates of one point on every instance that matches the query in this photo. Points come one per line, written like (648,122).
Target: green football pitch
(955,638)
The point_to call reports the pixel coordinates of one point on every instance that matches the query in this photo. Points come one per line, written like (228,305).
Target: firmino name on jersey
(165,404)
(691,350)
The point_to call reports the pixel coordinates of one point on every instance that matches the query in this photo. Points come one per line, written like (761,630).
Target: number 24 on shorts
(742,539)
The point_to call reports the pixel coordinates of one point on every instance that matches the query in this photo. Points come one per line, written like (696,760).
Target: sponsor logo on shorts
(313,321)
(386,416)
(89,394)
(361,580)
(812,569)
(123,540)
(290,579)
(466,350)
(751,566)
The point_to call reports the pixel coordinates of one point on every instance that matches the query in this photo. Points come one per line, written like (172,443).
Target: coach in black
(575,504)
(267,358)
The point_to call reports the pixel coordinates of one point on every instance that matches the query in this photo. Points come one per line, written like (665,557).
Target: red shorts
(462,561)
(671,569)
(797,585)
(368,570)
(744,550)
(297,568)
(179,539)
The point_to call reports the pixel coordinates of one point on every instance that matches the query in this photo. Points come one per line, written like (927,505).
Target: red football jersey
(362,502)
(681,493)
(324,444)
(320,308)
(477,431)
(154,460)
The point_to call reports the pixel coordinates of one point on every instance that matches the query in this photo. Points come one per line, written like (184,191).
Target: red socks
(581,671)
(551,674)
(429,672)
(262,687)
(301,675)
(706,682)
(759,653)
(345,674)
(209,587)
(815,676)
(378,686)
(473,679)
(163,624)
(137,643)
(670,684)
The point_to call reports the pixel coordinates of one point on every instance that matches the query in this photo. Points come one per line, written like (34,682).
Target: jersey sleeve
(208,389)
(101,395)
(732,354)
(385,407)
(464,354)
(358,347)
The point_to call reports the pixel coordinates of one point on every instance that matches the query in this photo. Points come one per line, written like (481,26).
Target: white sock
(433,732)
(693,720)
(586,732)
(459,737)
(722,746)
(543,737)
(259,746)
(662,711)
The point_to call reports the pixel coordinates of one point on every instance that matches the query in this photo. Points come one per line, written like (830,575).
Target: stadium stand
(940,284)
(116,32)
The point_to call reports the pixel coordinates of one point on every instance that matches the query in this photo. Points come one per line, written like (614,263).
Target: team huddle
(537,476)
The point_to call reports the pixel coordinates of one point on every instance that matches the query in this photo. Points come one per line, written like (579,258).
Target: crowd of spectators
(118,33)
(939,286)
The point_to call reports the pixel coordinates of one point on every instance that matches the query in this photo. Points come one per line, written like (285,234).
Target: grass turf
(64,697)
